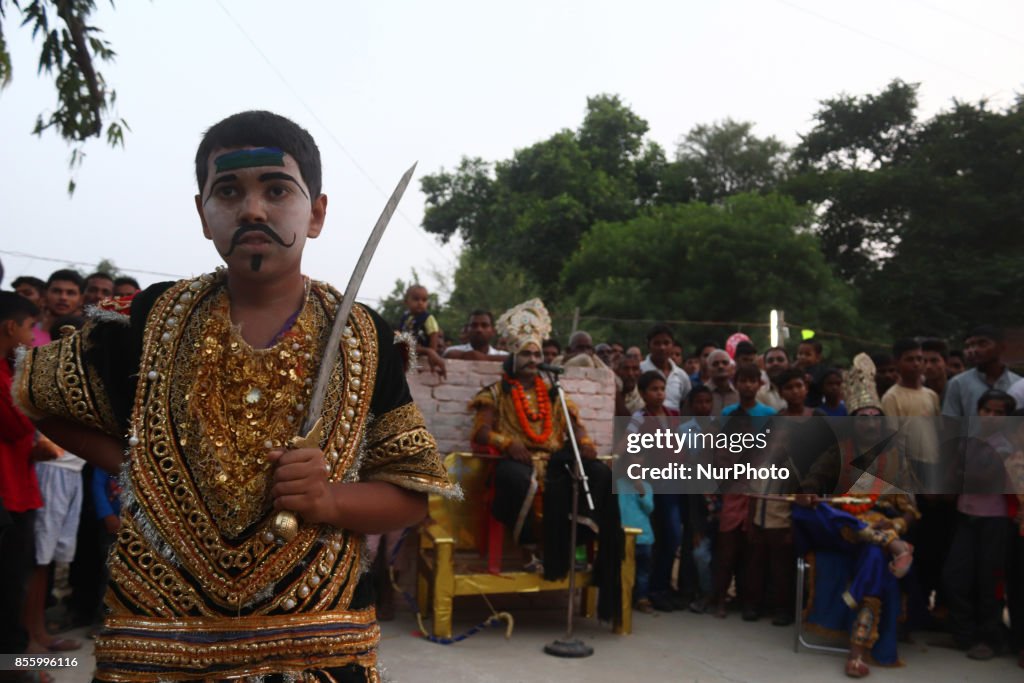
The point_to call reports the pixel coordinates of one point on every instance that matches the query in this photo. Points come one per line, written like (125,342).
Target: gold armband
(899,524)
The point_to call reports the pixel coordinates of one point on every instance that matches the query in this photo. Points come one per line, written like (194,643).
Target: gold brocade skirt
(203,648)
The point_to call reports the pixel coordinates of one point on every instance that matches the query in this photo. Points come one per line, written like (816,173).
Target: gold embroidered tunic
(199,589)
(507,423)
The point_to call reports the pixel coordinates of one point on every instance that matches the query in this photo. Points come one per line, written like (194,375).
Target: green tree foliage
(735,260)
(722,159)
(481,282)
(845,168)
(960,243)
(925,218)
(70,52)
(526,213)
(861,133)
(109,267)
(892,225)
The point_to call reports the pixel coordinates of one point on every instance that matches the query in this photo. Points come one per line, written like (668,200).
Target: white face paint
(526,361)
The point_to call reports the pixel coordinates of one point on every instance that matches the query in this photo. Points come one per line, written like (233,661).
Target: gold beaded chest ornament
(196,552)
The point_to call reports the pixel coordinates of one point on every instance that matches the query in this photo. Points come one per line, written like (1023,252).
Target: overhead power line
(888,43)
(329,132)
(88,264)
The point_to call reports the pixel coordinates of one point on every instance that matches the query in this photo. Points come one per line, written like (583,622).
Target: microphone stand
(571,646)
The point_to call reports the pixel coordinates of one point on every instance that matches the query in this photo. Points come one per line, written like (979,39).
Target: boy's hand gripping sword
(286,525)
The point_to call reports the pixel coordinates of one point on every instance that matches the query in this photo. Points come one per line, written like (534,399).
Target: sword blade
(330,355)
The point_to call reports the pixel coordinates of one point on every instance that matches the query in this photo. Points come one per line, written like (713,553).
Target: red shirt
(19,488)
(735,512)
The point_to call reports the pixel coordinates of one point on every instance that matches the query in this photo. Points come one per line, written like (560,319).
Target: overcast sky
(383,84)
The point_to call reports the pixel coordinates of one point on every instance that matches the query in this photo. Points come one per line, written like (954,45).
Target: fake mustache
(246,228)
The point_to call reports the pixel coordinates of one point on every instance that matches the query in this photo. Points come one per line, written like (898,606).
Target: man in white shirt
(659,347)
(984,347)
(481,331)
(776,361)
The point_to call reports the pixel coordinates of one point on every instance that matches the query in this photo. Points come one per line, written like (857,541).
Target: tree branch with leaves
(70,51)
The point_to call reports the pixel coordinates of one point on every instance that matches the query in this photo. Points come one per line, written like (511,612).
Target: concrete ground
(678,647)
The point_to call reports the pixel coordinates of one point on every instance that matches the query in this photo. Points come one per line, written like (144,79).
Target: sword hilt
(285,525)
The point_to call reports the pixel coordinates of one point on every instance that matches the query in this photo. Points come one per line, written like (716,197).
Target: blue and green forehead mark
(252,158)
(249,158)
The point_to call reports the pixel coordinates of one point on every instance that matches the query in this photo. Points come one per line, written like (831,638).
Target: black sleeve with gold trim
(89,377)
(398,448)
(56,381)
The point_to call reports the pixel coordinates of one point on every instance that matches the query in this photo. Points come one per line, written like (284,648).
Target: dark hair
(956,353)
(988,331)
(98,275)
(780,349)
(936,346)
(645,379)
(660,328)
(996,395)
(509,366)
(813,343)
(902,346)
(705,344)
(262,129)
(624,358)
(126,280)
(880,358)
(828,373)
(745,348)
(787,376)
(699,389)
(551,342)
(747,371)
(478,312)
(66,275)
(31,281)
(14,306)
(415,285)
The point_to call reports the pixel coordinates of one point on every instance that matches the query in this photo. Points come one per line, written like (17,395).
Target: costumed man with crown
(200,391)
(521,418)
(860,554)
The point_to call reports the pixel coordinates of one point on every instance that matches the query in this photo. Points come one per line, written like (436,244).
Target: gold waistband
(194,648)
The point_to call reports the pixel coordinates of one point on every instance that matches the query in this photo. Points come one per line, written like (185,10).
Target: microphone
(556,369)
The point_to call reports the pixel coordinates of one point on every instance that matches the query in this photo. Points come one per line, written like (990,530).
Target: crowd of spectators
(701,552)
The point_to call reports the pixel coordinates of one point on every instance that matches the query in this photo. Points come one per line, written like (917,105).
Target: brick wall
(444,403)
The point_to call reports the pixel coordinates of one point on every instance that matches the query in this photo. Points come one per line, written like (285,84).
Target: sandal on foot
(644,605)
(856,668)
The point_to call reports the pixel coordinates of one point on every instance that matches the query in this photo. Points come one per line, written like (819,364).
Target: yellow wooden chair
(453,532)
